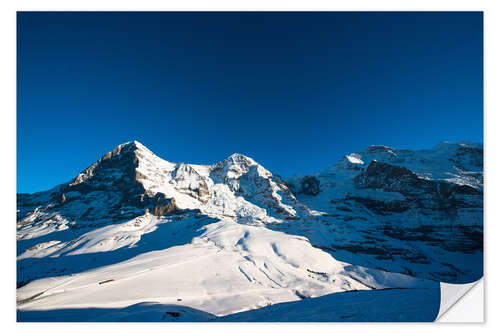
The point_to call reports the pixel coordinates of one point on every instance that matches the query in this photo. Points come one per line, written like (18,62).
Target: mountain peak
(237,158)
(129,146)
(122,160)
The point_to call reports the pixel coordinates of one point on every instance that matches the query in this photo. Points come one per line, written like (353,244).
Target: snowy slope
(229,267)
(231,236)
(393,305)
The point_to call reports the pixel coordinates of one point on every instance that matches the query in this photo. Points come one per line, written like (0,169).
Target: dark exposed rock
(373,149)
(162,205)
(87,213)
(344,208)
(468,155)
(62,198)
(347,218)
(197,187)
(110,188)
(56,196)
(139,176)
(381,207)
(285,187)
(292,188)
(380,175)
(466,239)
(310,185)
(424,193)
(121,161)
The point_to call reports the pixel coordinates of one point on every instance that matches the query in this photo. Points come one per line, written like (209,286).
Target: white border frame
(8,138)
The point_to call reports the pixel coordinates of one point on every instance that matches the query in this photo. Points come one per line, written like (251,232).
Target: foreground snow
(228,268)
(409,305)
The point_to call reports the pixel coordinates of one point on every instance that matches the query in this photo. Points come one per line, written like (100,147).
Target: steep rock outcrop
(310,185)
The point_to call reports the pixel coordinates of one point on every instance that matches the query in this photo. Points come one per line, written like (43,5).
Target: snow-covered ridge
(407,200)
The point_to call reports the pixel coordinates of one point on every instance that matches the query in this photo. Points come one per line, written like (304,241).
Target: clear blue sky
(295,91)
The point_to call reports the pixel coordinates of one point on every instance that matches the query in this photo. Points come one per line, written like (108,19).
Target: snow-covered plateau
(136,238)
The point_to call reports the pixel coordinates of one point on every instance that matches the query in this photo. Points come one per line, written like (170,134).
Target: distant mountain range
(232,236)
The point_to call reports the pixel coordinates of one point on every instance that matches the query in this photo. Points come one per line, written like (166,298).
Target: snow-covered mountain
(231,236)
(414,212)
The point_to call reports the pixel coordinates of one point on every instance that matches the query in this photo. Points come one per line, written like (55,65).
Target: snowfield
(394,305)
(136,238)
(229,268)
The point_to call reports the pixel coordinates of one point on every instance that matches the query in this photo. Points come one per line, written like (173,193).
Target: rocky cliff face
(416,212)
(108,191)
(412,212)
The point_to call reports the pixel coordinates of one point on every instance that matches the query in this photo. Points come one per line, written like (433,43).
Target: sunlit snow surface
(242,240)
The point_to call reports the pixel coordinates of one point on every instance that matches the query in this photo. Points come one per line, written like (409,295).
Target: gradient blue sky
(295,91)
